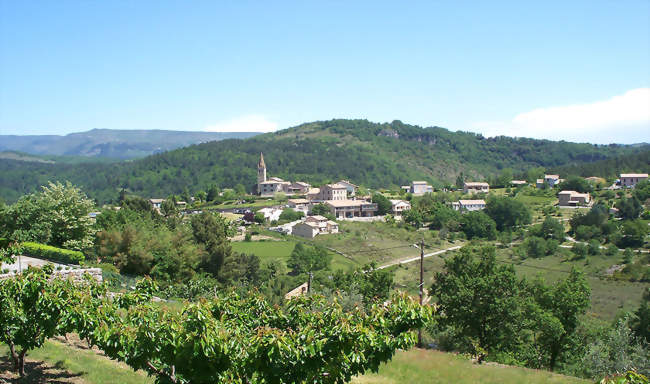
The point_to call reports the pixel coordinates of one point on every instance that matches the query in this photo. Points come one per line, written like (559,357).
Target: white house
(351,188)
(300,205)
(631,179)
(468,205)
(271,214)
(550,180)
(399,206)
(420,188)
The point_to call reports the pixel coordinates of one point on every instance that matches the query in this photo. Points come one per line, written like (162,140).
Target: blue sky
(561,70)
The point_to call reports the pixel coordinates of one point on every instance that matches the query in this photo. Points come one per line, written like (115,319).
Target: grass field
(57,362)
(429,367)
(281,250)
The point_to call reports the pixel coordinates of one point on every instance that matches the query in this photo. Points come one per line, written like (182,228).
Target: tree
(34,308)
(246,340)
(535,246)
(477,224)
(306,259)
(413,217)
(58,216)
(384,205)
(552,229)
(507,213)
(289,214)
(579,250)
(634,233)
(213,192)
(320,209)
(575,183)
(212,231)
(479,299)
(629,209)
(617,352)
(640,323)
(566,301)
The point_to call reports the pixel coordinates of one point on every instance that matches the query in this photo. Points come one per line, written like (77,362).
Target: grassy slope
(66,364)
(429,367)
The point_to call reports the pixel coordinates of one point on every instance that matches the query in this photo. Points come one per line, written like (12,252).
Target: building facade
(631,179)
(475,187)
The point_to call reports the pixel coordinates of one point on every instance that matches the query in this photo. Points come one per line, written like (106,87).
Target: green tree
(634,233)
(384,205)
(213,192)
(477,224)
(507,213)
(535,246)
(640,323)
(575,183)
(566,301)
(34,308)
(58,216)
(320,209)
(212,231)
(413,217)
(629,209)
(552,229)
(305,259)
(479,299)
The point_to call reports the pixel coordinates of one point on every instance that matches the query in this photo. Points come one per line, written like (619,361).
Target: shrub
(52,253)
(580,251)
(594,247)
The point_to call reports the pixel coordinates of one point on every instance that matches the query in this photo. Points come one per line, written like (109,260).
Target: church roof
(261,163)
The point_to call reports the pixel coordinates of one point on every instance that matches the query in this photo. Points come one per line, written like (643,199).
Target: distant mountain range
(374,155)
(112,143)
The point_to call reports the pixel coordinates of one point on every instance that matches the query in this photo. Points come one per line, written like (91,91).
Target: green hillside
(111,143)
(369,154)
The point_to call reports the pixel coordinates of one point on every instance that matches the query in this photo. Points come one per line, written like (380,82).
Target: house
(346,209)
(300,205)
(156,203)
(329,192)
(351,188)
(518,183)
(573,199)
(399,206)
(313,226)
(631,179)
(420,188)
(468,205)
(475,187)
(296,292)
(549,180)
(181,204)
(298,188)
(271,214)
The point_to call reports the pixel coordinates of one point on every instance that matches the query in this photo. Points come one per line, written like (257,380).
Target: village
(320,207)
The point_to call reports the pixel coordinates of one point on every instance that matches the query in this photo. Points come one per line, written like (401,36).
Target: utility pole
(311,275)
(421,286)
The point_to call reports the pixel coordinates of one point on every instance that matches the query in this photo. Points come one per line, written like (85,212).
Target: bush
(580,251)
(594,247)
(48,252)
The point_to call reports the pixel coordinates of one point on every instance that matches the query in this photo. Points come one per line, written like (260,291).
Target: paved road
(418,257)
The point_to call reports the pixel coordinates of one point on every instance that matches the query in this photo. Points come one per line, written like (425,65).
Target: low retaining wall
(75,274)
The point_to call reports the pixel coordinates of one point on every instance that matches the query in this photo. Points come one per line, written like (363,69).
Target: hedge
(47,252)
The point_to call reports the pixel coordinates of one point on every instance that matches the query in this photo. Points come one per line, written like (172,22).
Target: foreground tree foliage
(246,340)
(230,338)
(485,307)
(33,308)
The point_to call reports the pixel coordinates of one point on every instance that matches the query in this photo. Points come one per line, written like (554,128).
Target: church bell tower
(261,173)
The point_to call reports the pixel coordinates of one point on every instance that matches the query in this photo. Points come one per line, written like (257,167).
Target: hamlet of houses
(344,203)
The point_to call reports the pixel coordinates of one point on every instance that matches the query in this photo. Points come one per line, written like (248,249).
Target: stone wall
(75,274)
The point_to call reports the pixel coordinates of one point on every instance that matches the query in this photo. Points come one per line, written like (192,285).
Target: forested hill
(111,143)
(369,154)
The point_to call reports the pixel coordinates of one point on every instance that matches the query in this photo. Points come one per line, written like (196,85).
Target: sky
(560,70)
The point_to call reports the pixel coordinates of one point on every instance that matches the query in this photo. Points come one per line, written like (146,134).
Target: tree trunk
(21,363)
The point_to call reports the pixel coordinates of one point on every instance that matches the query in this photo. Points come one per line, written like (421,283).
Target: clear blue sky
(194,65)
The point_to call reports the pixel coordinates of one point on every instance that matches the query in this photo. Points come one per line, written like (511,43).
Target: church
(269,187)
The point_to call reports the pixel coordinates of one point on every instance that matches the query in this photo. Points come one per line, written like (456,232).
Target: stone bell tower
(261,173)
